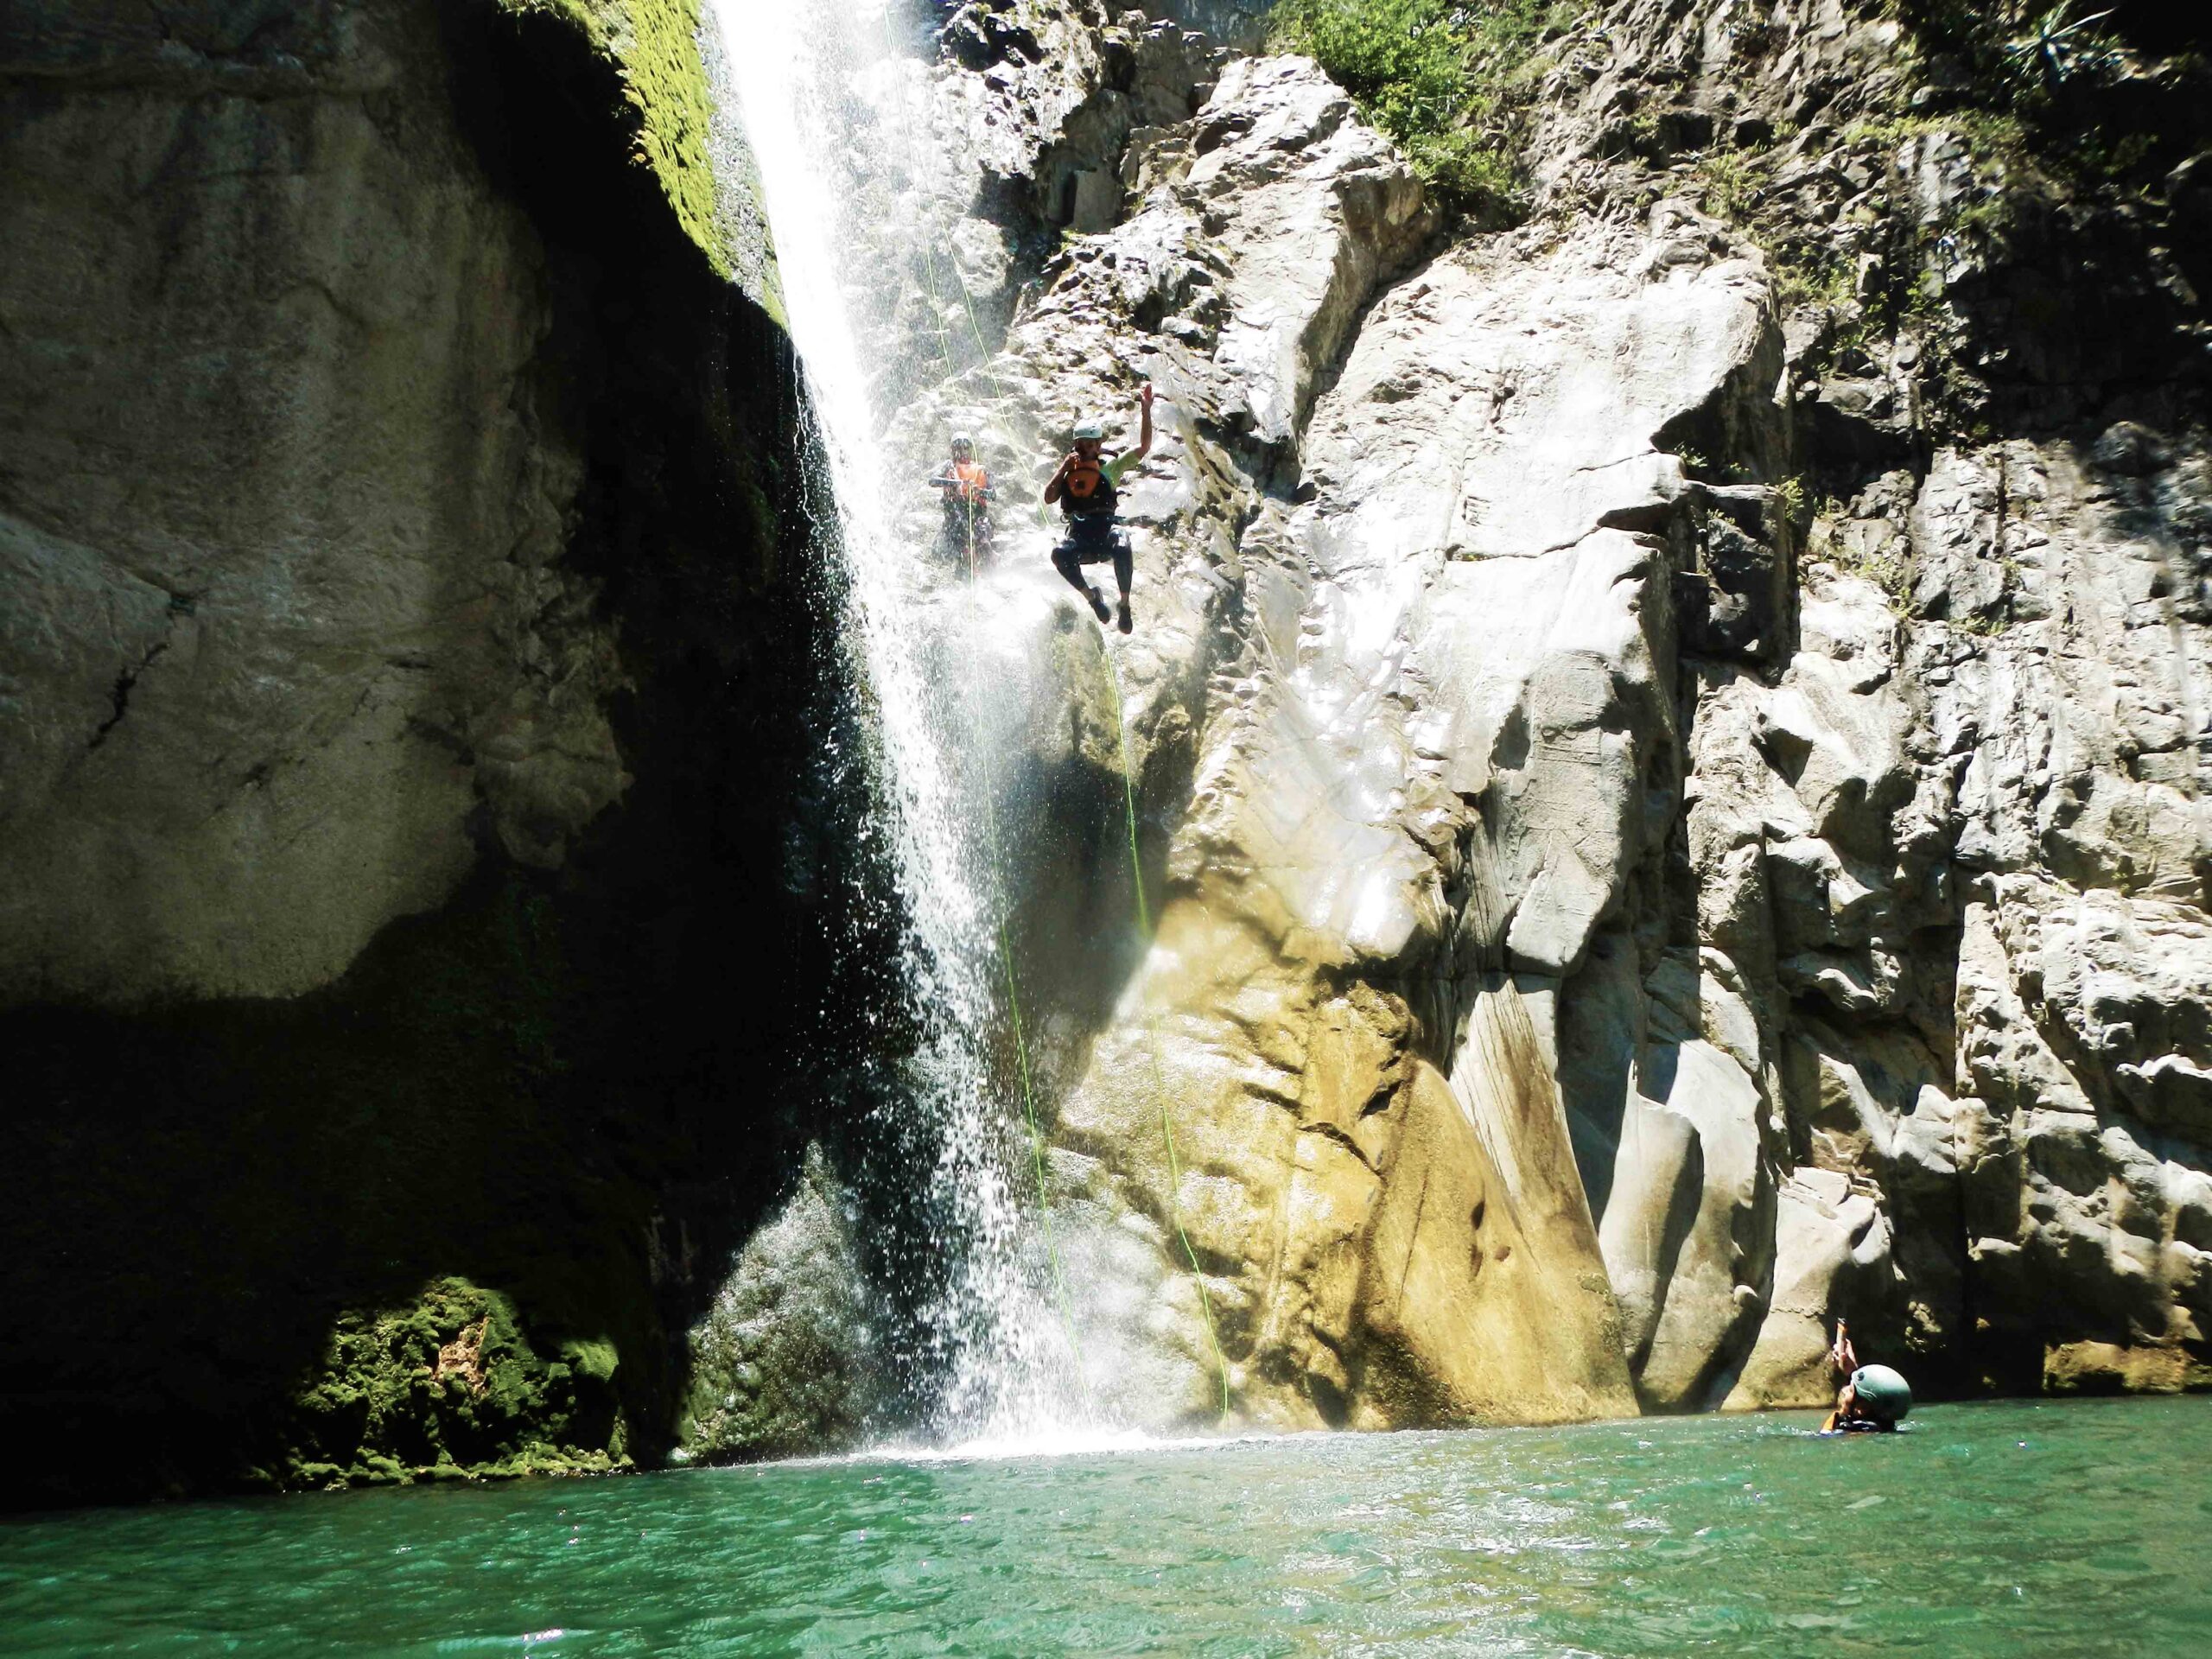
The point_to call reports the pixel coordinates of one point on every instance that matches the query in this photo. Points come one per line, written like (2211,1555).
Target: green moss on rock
(451,1385)
(783,1365)
(654,46)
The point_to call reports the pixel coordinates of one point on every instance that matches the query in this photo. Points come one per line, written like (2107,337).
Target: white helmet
(1091,430)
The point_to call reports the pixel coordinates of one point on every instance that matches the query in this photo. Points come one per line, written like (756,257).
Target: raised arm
(1842,1354)
(1144,425)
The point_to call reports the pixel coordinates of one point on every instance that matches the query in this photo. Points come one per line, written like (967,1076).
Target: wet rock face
(1391,734)
(285,492)
(784,1361)
(374,546)
(1739,909)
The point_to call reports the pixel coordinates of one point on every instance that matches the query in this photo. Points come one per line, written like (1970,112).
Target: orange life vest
(970,481)
(1087,490)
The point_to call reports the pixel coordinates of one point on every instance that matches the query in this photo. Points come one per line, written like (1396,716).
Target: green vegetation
(1892,574)
(1897,294)
(2059,83)
(449,1386)
(2057,116)
(1731,180)
(1452,84)
(1790,493)
(654,46)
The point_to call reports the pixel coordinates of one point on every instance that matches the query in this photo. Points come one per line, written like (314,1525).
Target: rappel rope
(985,359)
(1143,911)
(1152,1043)
(999,932)
(1029,1094)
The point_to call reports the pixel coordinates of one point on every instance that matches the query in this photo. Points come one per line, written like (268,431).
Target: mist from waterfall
(832,95)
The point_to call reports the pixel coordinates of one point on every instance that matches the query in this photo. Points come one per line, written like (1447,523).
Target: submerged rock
(448,1386)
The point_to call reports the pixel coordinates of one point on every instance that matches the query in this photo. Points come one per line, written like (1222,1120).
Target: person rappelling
(965,489)
(1088,489)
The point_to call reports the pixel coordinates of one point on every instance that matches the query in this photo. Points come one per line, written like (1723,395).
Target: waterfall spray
(830,108)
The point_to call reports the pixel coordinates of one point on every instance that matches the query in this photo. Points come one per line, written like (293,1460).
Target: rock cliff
(1665,737)
(397,548)
(1653,804)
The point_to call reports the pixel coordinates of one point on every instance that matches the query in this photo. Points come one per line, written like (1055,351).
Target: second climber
(965,489)
(1086,487)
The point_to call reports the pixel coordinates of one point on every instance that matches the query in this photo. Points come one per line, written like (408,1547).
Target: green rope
(1029,1094)
(1037,1161)
(1005,952)
(1152,1034)
(985,361)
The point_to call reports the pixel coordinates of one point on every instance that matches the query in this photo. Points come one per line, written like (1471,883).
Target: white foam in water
(1045,1444)
(827,103)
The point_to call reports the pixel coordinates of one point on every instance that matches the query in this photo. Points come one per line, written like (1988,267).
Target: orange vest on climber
(1088,491)
(970,482)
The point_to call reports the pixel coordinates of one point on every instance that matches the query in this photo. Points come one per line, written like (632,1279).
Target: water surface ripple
(1986,1529)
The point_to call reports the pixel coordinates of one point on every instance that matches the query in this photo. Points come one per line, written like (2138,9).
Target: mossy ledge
(449,1387)
(654,46)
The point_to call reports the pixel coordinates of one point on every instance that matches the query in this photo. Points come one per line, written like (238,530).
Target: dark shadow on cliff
(574,1090)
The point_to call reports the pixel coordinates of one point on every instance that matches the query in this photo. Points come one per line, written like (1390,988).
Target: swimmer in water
(1872,1399)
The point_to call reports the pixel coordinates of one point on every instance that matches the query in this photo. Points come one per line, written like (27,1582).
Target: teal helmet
(1884,1396)
(1091,430)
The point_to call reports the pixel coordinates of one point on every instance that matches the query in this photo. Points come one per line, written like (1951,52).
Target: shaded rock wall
(401,512)
(284,504)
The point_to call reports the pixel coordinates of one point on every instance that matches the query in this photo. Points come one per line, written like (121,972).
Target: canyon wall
(1660,749)
(1666,735)
(411,683)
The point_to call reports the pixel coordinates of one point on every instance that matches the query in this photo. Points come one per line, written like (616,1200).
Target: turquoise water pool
(2018,1528)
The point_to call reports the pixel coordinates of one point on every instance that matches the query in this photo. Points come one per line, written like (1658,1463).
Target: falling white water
(831,110)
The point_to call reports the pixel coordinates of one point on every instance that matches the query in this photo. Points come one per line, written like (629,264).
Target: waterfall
(833,99)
